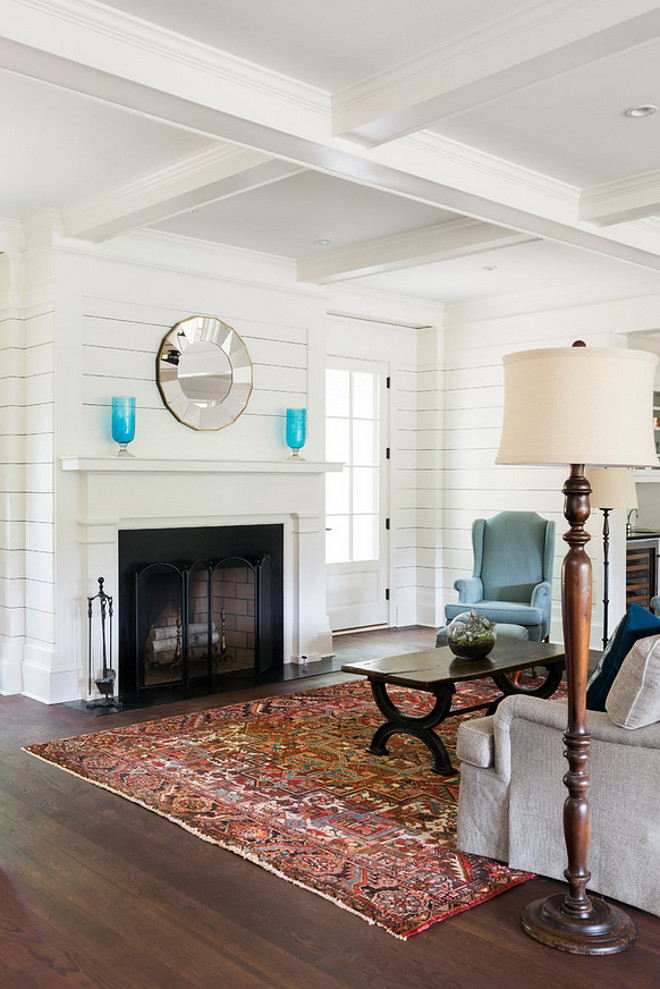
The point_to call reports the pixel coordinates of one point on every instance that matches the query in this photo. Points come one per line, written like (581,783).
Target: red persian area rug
(286,783)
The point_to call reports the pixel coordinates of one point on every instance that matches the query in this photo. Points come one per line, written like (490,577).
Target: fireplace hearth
(201,610)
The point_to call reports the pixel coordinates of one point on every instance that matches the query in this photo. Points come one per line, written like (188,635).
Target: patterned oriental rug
(286,783)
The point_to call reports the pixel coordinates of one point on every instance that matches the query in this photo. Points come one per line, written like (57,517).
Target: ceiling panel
(510,271)
(285,218)
(574,127)
(64,147)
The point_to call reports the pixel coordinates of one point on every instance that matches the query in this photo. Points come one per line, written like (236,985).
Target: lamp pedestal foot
(603,930)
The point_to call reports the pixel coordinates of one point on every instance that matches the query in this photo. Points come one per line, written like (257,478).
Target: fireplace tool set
(105,684)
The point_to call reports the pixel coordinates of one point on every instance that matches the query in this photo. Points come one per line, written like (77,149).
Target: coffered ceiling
(452,151)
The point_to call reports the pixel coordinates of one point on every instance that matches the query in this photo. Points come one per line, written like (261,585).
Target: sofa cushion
(636,624)
(508,612)
(634,697)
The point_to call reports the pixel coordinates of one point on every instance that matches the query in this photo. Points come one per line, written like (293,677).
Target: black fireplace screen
(196,627)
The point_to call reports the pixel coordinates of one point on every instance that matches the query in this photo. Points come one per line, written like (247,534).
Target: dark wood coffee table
(437,671)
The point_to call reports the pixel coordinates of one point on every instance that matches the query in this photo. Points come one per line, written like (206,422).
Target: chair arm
(553,714)
(470,590)
(542,598)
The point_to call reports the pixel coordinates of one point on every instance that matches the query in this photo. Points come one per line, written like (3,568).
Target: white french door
(356,509)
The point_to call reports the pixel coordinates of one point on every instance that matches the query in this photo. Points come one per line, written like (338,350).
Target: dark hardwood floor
(97,892)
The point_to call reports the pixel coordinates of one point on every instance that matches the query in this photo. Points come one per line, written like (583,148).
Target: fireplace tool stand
(105,684)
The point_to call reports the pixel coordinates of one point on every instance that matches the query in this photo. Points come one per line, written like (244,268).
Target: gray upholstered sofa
(512,796)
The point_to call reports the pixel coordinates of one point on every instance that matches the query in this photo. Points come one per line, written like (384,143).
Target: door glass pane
(337,440)
(365,537)
(352,438)
(365,396)
(337,392)
(337,543)
(365,489)
(337,493)
(365,442)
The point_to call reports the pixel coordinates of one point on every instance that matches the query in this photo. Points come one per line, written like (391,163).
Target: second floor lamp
(611,487)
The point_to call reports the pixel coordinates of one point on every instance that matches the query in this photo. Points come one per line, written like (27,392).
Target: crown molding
(631,198)
(217,262)
(348,301)
(12,236)
(614,311)
(515,182)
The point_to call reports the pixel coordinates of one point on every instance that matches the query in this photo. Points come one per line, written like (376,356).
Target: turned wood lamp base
(583,396)
(575,922)
(605,930)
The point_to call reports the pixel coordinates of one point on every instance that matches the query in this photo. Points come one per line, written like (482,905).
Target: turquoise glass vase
(296,424)
(123,423)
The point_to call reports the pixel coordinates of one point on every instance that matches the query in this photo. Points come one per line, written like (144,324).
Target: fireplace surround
(101,497)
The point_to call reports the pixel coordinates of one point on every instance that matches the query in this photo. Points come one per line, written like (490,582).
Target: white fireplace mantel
(142,465)
(102,496)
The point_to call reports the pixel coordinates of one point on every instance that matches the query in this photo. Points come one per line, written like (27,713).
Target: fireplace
(201,610)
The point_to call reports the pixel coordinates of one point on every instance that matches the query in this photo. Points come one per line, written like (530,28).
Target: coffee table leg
(419,727)
(553,676)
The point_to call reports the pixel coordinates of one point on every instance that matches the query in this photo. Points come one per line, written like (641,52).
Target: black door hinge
(387,523)
(388,382)
(387,453)
(387,593)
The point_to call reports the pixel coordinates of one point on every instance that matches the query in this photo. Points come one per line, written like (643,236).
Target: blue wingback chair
(512,577)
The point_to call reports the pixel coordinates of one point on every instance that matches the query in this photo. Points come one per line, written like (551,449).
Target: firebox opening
(198,615)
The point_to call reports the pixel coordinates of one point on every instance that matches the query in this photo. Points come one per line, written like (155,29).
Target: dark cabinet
(641,570)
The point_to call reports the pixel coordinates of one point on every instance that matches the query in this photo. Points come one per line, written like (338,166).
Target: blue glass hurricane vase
(123,423)
(296,421)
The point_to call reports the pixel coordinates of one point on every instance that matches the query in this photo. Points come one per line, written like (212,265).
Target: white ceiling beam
(12,238)
(631,198)
(216,173)
(193,103)
(453,239)
(537,43)
(91,35)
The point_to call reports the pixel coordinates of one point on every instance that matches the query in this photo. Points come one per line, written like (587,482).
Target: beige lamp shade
(612,487)
(579,405)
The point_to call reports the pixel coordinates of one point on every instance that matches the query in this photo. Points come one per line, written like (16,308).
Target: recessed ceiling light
(322,242)
(643,110)
(489,267)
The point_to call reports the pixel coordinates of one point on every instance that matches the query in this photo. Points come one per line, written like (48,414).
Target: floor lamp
(578,406)
(612,487)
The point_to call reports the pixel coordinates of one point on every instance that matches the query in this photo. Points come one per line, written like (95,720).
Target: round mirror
(204,373)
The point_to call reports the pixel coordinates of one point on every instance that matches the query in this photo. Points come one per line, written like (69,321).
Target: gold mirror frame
(204,373)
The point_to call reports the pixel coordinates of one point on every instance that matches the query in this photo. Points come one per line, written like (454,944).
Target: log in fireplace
(201,610)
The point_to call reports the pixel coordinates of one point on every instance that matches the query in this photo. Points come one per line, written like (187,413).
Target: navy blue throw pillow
(635,624)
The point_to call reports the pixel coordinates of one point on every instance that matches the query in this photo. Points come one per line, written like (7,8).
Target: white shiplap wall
(12,484)
(28,423)
(122,333)
(80,324)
